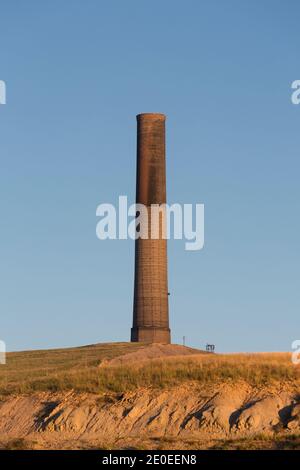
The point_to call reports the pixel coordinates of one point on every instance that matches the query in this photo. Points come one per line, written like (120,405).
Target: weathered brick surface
(150,310)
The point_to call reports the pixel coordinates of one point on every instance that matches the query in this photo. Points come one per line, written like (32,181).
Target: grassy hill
(79,369)
(58,369)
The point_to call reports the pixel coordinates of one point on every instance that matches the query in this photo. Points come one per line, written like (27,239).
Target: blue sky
(77,73)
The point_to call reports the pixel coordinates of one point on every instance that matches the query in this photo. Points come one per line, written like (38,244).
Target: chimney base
(151,335)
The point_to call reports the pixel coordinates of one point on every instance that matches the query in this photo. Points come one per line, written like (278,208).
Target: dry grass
(256,369)
(260,442)
(78,369)
(17,444)
(57,369)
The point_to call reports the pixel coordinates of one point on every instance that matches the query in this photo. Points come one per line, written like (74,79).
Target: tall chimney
(150,309)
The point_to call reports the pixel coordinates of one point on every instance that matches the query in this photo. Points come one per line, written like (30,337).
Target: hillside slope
(131,395)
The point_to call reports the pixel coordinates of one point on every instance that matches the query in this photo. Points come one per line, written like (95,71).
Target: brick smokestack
(150,310)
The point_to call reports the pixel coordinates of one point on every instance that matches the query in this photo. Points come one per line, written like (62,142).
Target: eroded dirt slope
(186,412)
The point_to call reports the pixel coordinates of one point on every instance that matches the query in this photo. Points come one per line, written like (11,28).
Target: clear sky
(77,72)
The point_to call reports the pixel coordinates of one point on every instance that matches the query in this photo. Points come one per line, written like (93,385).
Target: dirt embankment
(153,351)
(185,412)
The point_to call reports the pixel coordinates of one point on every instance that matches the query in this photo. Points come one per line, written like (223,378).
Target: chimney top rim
(151,116)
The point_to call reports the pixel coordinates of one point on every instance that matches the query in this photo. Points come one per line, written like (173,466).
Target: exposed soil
(183,414)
